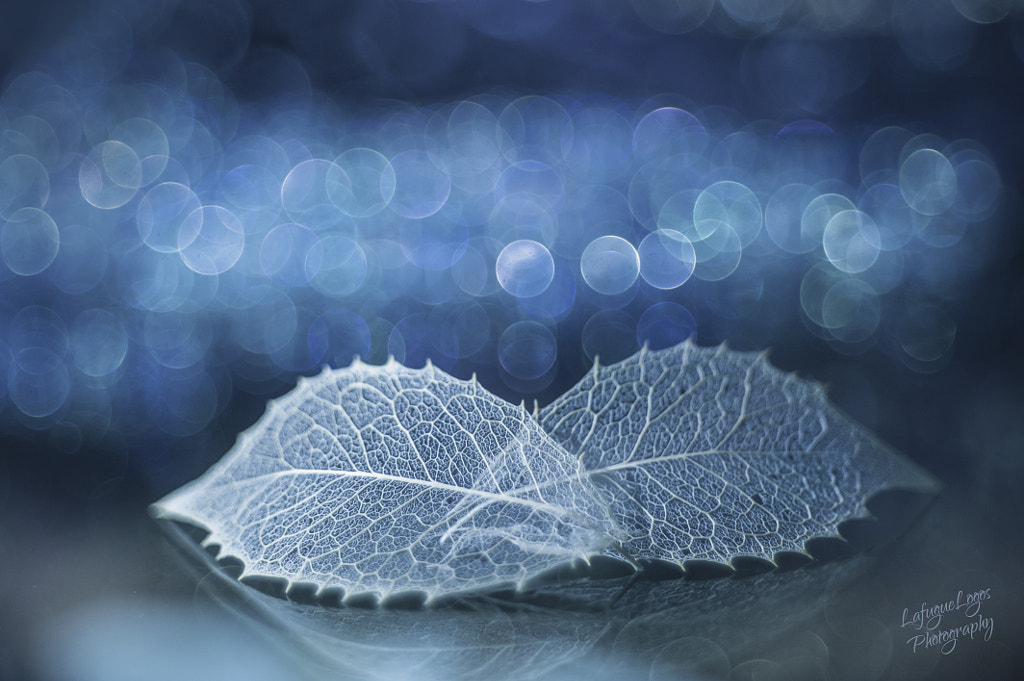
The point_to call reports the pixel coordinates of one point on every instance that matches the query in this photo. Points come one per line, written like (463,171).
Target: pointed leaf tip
(709,453)
(680,455)
(369,447)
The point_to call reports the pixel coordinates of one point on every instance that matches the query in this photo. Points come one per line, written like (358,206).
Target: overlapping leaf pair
(384,479)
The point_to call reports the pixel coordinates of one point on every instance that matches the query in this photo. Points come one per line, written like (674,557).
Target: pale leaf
(712,454)
(383,479)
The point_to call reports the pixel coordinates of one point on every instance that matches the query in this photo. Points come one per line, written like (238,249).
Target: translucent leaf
(601,628)
(711,454)
(383,479)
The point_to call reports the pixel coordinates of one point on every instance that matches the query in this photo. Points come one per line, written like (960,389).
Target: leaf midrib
(432,484)
(552,508)
(638,463)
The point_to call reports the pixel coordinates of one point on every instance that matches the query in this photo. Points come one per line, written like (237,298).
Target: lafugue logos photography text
(935,630)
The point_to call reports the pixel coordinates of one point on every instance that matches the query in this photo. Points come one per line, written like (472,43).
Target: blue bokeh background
(201,201)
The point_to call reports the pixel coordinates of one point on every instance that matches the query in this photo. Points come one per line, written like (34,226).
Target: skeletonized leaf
(383,479)
(618,628)
(711,454)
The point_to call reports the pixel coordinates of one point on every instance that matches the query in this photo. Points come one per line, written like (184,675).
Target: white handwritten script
(935,629)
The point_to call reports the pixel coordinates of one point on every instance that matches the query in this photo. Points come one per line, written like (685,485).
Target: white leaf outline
(516,531)
(859,466)
(843,465)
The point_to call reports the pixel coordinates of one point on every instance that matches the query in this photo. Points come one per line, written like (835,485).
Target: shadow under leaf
(596,621)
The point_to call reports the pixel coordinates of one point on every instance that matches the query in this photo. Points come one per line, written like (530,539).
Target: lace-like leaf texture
(383,479)
(712,454)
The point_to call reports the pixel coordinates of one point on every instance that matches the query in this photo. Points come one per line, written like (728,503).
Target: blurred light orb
(733,203)
(665,324)
(24,183)
(38,326)
(252,193)
(81,260)
(472,274)
(528,190)
(815,285)
(984,11)
(610,265)
(692,657)
(851,241)
(925,332)
(783,218)
(928,182)
(421,185)
(739,150)
(37,381)
(881,152)
(472,326)
(437,241)
(430,287)
(717,248)
(818,214)
(422,337)
(361,182)
(667,259)
(675,212)
(557,299)
(290,254)
(757,13)
(534,128)
(527,349)
(29,241)
(99,342)
(896,221)
(110,176)
(886,273)
(33,135)
(148,141)
(943,231)
(610,336)
(934,35)
(525,268)
(147,279)
(339,269)
(851,310)
(674,16)
(978,184)
(176,340)
(210,240)
(276,322)
(304,189)
(669,131)
(602,144)
(305,349)
(161,213)
(590,211)
(185,401)
(339,336)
